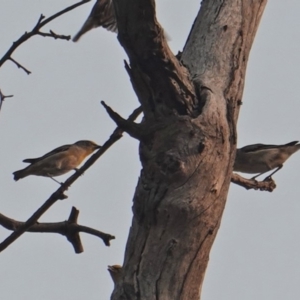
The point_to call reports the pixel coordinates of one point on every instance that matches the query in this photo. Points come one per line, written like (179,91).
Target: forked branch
(70,229)
(36,31)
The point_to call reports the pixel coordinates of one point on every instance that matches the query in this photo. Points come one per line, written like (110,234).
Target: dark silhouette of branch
(267,185)
(36,31)
(59,193)
(70,229)
(20,66)
(133,129)
(3,97)
(54,35)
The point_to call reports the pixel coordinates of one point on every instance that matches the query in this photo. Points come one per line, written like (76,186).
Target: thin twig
(69,8)
(20,66)
(3,97)
(54,35)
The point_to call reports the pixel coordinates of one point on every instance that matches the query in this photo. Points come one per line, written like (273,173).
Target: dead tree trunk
(187,141)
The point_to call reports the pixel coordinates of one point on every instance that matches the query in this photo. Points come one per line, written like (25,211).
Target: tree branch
(54,35)
(70,229)
(3,97)
(133,129)
(248,184)
(19,66)
(168,89)
(36,31)
(59,193)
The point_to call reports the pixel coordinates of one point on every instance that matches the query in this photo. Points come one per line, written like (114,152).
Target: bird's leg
(254,177)
(270,176)
(55,180)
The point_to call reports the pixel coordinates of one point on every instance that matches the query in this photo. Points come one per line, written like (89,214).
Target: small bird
(115,272)
(260,158)
(102,14)
(58,161)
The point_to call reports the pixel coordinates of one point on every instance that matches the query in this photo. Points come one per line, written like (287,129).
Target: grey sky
(256,253)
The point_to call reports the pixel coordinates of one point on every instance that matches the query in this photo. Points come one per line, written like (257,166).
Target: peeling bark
(187,141)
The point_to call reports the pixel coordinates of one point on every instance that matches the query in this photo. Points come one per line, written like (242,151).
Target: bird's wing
(54,151)
(290,144)
(258,147)
(103,14)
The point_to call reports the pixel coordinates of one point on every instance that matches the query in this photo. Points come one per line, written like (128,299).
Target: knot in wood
(170,163)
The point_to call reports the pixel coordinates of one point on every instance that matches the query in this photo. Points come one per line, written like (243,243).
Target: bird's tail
(19,174)
(87,26)
(102,14)
(293,147)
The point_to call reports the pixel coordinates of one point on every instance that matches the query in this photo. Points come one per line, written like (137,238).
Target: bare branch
(3,97)
(59,193)
(168,76)
(54,35)
(267,185)
(20,66)
(36,31)
(133,129)
(70,229)
(69,8)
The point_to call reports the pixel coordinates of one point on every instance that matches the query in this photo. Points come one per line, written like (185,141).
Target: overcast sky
(256,253)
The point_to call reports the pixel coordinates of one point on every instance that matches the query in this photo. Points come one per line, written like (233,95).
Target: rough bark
(187,141)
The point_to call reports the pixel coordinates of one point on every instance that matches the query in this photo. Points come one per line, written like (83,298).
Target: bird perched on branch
(58,161)
(260,158)
(102,14)
(115,272)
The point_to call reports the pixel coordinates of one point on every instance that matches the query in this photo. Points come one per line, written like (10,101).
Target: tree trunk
(187,141)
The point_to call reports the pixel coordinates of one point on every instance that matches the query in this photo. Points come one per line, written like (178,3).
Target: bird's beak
(110,268)
(98,147)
